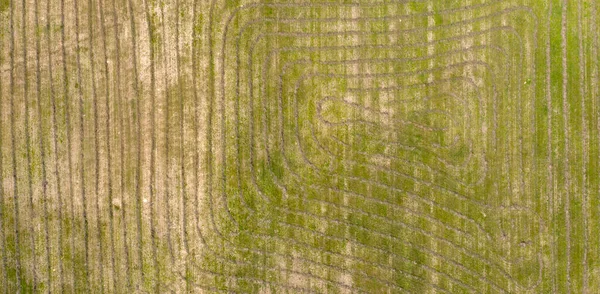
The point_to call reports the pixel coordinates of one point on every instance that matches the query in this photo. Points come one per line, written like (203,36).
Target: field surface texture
(322,146)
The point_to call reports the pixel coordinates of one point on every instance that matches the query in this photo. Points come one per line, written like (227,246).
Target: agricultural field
(322,146)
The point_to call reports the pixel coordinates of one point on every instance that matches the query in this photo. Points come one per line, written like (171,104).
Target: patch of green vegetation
(18,280)
(4,4)
(438,19)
